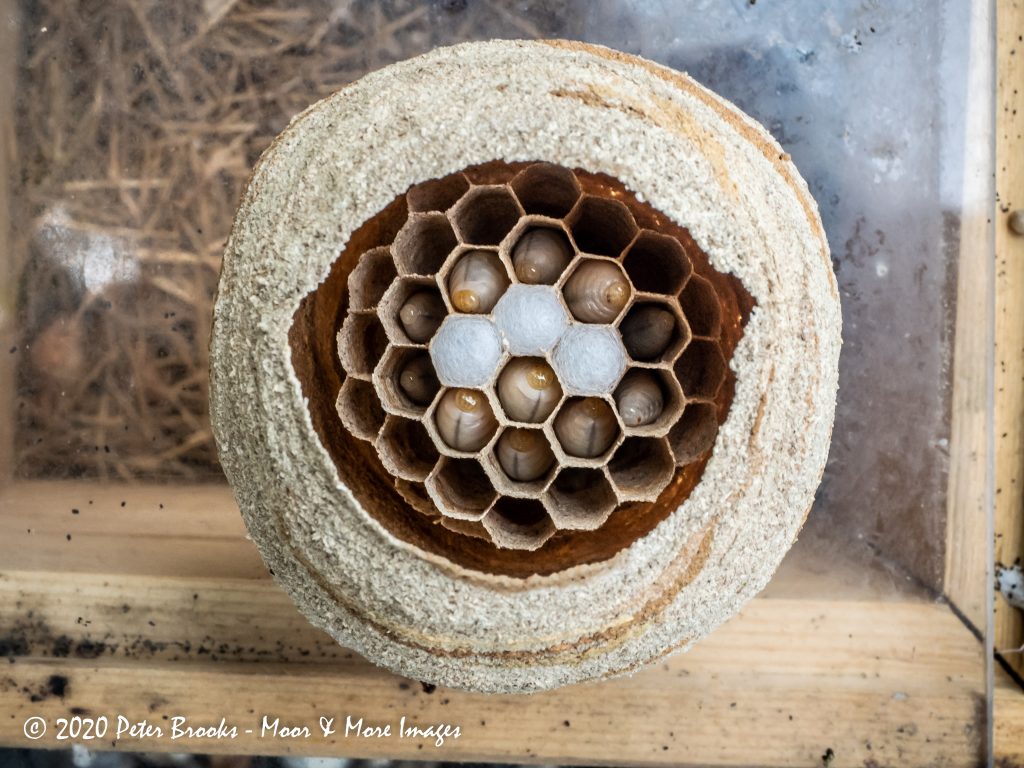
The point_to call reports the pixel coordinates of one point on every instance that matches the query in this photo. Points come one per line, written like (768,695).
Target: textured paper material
(690,155)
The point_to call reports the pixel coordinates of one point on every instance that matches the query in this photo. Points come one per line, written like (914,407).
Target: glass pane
(136,124)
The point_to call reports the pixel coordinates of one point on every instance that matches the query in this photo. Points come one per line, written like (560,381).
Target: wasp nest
(524,363)
(523,354)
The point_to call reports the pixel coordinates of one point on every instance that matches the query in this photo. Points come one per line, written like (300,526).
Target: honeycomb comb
(615,312)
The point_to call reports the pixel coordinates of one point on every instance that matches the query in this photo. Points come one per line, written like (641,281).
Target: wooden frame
(152,611)
(1008,630)
(1009,404)
(149,602)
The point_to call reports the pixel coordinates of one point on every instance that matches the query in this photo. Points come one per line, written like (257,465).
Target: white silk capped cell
(531,318)
(589,359)
(466,351)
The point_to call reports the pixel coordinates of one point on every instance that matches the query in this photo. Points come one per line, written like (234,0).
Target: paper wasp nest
(524,363)
(524,354)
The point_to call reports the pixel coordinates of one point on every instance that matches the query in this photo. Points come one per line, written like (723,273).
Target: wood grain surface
(153,611)
(969,501)
(1009,370)
(1008,631)
(1008,746)
(782,684)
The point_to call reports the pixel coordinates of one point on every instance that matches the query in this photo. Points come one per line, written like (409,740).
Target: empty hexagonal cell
(359,409)
(485,215)
(654,331)
(372,275)
(589,359)
(466,351)
(518,524)
(701,369)
(547,189)
(524,459)
(701,307)
(406,381)
(528,390)
(406,449)
(463,421)
(657,263)
(539,251)
(495,172)
(474,280)
(411,310)
(641,468)
(361,343)
(460,488)
(695,432)
(580,499)
(423,243)
(472,528)
(415,495)
(601,226)
(648,401)
(437,194)
(596,291)
(586,427)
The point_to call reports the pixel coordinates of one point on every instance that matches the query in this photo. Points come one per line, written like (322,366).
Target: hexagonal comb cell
(474,281)
(649,401)
(461,488)
(406,449)
(406,381)
(360,410)
(523,456)
(415,495)
(528,390)
(701,369)
(485,215)
(539,252)
(641,468)
(586,427)
(531,319)
(654,331)
(518,524)
(657,263)
(466,351)
(423,243)
(361,343)
(589,359)
(597,291)
(580,499)
(694,434)
(701,307)
(473,528)
(524,358)
(601,226)
(437,194)
(411,310)
(464,421)
(547,190)
(374,272)
(490,174)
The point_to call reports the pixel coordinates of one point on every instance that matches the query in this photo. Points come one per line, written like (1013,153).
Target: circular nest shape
(524,335)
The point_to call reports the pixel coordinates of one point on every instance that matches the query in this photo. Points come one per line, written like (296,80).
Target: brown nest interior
(315,359)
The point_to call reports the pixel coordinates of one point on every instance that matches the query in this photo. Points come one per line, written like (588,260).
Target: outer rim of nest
(579,106)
